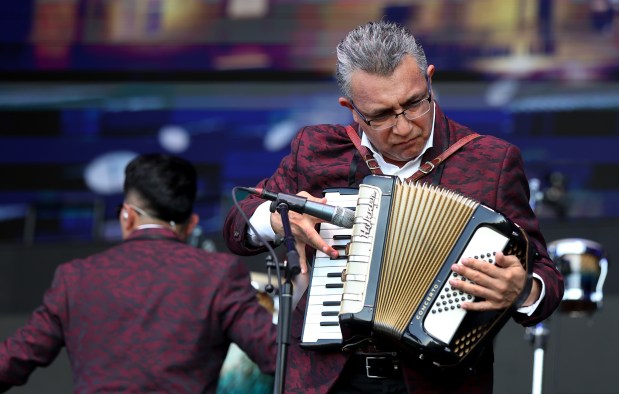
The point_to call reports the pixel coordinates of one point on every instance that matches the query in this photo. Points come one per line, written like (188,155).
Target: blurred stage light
(242,9)
(501,92)
(280,135)
(106,173)
(174,139)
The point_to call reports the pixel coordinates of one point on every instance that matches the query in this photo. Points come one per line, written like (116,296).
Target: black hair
(166,185)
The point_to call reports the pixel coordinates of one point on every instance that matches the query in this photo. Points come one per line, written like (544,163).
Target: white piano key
(355,268)
(351,297)
(341,200)
(354,287)
(324,280)
(323,255)
(359,259)
(317,319)
(313,332)
(329,262)
(356,277)
(317,309)
(323,290)
(326,270)
(320,299)
(360,249)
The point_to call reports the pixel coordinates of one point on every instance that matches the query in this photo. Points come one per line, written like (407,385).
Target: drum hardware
(538,336)
(584,266)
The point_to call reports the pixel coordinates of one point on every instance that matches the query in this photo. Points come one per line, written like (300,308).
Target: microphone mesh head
(344,217)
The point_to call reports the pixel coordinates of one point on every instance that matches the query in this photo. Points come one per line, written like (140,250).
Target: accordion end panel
(471,331)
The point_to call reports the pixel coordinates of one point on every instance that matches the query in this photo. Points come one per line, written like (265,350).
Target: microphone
(339,216)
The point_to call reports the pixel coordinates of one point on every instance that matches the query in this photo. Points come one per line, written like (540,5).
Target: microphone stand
(285,307)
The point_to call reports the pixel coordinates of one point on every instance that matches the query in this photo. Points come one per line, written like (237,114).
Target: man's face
(376,96)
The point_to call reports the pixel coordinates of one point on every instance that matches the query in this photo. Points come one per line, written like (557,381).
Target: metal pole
(538,336)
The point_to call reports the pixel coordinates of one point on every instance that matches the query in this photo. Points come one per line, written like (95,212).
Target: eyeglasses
(140,212)
(412,112)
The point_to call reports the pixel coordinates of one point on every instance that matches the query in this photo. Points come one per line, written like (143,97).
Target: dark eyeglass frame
(396,115)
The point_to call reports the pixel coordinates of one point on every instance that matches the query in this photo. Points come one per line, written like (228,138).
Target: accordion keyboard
(321,324)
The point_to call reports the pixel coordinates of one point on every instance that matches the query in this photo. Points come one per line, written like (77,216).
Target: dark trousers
(354,379)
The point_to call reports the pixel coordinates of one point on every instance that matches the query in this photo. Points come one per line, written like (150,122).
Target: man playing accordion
(398,126)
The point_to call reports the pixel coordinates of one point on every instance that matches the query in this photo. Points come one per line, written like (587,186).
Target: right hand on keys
(304,231)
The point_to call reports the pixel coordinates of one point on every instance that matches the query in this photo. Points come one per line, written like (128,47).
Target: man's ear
(345,102)
(430,71)
(127,222)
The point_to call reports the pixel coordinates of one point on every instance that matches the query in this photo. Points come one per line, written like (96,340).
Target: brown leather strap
(429,166)
(424,169)
(366,154)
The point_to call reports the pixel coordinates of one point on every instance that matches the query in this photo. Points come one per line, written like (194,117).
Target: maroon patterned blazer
(487,169)
(151,314)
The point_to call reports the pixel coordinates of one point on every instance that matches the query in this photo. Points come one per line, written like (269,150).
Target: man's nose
(402,125)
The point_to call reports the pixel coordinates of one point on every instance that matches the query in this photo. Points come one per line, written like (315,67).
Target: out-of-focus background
(85,85)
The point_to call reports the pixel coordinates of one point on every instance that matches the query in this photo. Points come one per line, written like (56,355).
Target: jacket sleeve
(38,342)
(513,201)
(244,320)
(320,157)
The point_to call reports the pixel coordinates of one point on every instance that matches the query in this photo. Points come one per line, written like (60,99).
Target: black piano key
(331,303)
(342,236)
(329,323)
(334,275)
(334,285)
(339,247)
(342,256)
(329,313)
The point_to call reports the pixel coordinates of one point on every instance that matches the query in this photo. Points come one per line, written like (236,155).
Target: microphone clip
(293,202)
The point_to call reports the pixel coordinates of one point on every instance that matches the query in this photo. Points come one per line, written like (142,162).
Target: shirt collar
(152,230)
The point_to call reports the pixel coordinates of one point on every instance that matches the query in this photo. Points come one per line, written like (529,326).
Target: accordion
(395,285)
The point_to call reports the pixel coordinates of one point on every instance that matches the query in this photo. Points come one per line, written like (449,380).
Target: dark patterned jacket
(487,169)
(151,314)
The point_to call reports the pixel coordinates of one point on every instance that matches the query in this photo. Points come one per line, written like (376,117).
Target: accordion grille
(425,223)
